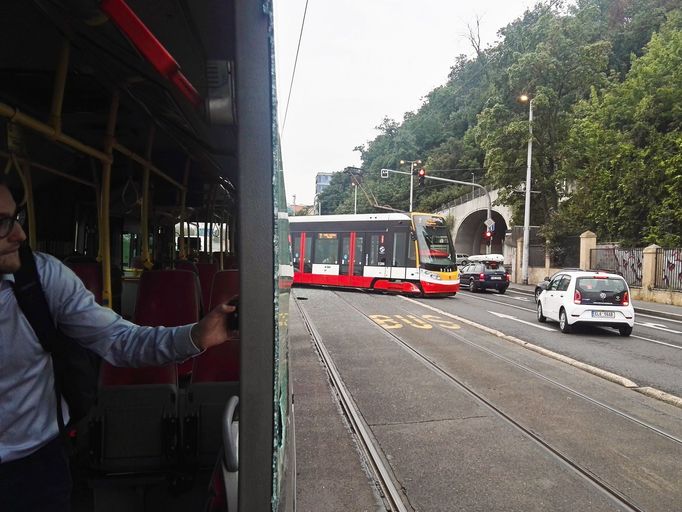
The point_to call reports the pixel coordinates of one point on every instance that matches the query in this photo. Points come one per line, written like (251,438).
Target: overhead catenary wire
(293,72)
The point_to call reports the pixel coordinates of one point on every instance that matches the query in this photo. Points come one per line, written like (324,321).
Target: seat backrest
(90,273)
(167,297)
(186,265)
(217,364)
(114,376)
(225,286)
(206,272)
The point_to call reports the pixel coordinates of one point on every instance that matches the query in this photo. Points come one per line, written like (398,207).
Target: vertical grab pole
(144,207)
(182,251)
(211,214)
(30,205)
(59,87)
(105,233)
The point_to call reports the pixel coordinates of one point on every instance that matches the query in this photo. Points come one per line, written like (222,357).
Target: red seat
(217,364)
(91,275)
(215,378)
(206,272)
(225,286)
(136,423)
(186,265)
(114,376)
(167,297)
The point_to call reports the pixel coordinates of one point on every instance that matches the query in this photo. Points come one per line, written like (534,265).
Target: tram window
(377,250)
(307,255)
(326,249)
(411,253)
(345,249)
(357,264)
(125,249)
(399,249)
(296,253)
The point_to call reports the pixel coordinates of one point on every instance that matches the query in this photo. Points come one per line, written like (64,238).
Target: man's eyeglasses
(7,223)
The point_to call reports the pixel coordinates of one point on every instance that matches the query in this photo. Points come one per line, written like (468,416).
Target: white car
(584,297)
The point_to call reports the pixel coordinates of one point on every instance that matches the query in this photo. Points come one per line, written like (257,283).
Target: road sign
(384,173)
(490,224)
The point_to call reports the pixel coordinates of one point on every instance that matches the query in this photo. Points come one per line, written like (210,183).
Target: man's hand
(212,329)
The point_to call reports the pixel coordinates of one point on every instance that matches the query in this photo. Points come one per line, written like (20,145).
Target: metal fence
(626,262)
(668,269)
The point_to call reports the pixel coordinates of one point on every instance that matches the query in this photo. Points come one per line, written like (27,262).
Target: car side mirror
(546,278)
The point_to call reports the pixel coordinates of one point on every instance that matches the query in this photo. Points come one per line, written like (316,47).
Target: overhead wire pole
(411,173)
(526,209)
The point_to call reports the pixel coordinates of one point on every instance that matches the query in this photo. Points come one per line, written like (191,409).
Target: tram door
(326,253)
(352,254)
(399,254)
(378,254)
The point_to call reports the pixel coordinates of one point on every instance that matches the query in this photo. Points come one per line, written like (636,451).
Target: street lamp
(412,165)
(526,210)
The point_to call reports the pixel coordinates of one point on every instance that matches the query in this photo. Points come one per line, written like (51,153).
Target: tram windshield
(433,239)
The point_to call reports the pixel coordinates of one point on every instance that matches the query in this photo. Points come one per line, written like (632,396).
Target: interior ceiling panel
(102,58)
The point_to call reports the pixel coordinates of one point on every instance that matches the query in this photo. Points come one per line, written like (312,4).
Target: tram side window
(400,249)
(296,253)
(377,250)
(357,264)
(326,250)
(307,255)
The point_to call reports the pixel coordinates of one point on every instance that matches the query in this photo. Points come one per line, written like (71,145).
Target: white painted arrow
(502,315)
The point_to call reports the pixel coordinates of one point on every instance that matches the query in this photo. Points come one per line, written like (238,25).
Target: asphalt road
(468,420)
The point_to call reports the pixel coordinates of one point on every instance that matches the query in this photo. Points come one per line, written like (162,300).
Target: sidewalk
(646,308)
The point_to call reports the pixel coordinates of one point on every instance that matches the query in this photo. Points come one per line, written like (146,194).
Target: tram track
(564,459)
(394,499)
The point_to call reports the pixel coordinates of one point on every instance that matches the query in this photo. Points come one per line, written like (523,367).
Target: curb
(660,314)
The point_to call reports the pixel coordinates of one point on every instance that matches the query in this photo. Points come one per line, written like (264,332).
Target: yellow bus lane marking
(424,322)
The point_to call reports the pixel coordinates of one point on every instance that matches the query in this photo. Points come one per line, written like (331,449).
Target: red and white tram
(391,252)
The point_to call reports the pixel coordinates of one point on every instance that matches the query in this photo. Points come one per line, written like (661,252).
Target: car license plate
(498,278)
(603,314)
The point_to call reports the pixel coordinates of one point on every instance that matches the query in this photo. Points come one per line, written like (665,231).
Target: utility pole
(412,173)
(526,209)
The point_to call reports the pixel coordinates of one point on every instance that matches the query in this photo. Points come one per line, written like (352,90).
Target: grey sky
(361,61)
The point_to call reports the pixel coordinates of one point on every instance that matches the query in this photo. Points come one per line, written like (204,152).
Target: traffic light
(488,236)
(421,174)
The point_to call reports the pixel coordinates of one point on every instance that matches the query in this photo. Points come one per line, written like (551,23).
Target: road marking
(660,327)
(656,341)
(502,315)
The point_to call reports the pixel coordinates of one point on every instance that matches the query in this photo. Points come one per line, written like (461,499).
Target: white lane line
(660,327)
(656,341)
(502,315)
(500,303)
(659,318)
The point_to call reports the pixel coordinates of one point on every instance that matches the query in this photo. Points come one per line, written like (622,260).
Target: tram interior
(119,133)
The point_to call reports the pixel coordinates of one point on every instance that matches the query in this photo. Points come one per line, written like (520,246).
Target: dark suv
(483,275)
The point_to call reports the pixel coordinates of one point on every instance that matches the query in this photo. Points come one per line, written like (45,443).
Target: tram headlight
(432,275)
